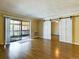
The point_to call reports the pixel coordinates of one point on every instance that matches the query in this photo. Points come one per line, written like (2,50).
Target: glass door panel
(25,28)
(15,30)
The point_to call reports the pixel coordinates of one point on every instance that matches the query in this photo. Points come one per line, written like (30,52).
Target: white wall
(47,30)
(40,28)
(65,30)
(34,28)
(55,28)
(76,40)
(1,29)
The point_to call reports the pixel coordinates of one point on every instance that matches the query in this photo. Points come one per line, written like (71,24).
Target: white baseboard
(71,43)
(66,42)
(35,37)
(1,43)
(76,43)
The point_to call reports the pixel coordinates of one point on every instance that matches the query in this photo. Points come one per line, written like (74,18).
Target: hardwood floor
(40,49)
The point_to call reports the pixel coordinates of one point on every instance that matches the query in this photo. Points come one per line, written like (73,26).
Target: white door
(62,30)
(65,30)
(69,30)
(47,30)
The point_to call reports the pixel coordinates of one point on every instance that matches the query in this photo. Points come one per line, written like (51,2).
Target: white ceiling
(41,8)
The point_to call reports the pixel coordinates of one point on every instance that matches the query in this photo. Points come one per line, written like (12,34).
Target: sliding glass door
(16,30)
(19,29)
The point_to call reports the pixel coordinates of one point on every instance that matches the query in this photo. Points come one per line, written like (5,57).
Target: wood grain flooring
(40,49)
